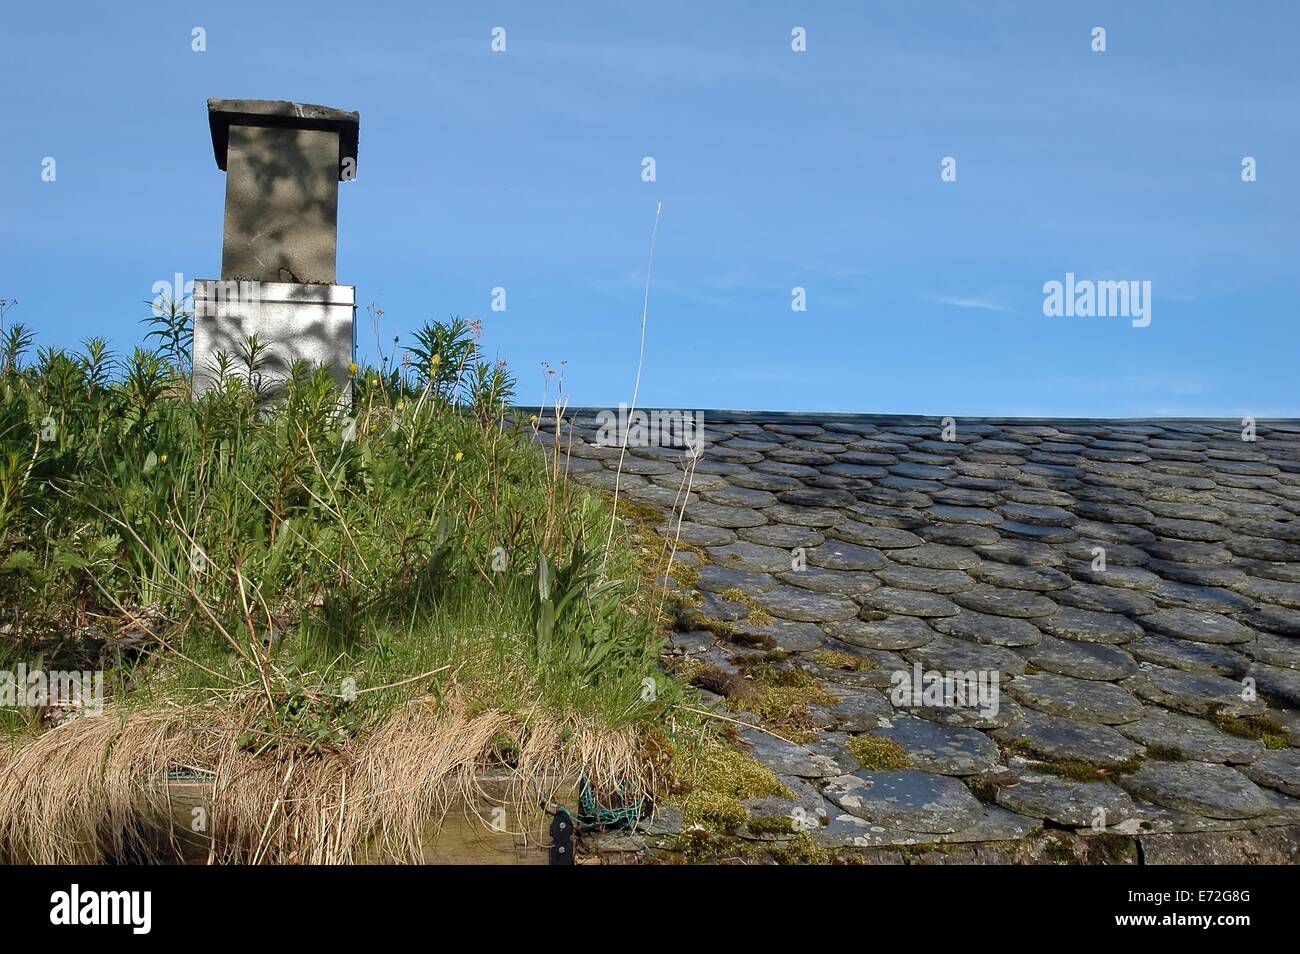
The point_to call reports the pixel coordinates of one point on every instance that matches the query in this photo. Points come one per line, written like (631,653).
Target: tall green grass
(323,555)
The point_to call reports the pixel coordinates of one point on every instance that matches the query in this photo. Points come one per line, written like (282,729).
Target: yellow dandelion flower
(459,456)
(352,368)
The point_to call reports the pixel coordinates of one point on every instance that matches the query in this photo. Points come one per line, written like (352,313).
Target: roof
(1132,586)
(223,113)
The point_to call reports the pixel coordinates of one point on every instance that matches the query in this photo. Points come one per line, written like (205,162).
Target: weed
(317,571)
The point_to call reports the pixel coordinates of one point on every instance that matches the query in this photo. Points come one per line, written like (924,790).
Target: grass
(336,605)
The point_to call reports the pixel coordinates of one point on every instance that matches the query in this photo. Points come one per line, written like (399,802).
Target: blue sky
(776,169)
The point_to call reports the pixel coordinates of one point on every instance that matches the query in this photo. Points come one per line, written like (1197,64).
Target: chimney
(283,163)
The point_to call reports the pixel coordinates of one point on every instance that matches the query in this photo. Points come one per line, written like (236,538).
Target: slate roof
(982,553)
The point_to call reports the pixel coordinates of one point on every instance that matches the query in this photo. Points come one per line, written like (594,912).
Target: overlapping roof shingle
(1135,585)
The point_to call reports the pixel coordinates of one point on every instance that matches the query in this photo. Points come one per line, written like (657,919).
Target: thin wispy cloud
(980,304)
(524,169)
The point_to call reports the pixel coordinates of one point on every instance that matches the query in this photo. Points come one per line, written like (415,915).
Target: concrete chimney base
(296,322)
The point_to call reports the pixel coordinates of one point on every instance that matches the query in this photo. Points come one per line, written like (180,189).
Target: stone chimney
(283,163)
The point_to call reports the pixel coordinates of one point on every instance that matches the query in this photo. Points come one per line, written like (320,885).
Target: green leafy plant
(320,531)
(171,325)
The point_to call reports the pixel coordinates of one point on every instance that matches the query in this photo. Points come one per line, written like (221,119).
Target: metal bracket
(562,837)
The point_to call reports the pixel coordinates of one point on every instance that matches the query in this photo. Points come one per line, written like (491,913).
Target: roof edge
(739,416)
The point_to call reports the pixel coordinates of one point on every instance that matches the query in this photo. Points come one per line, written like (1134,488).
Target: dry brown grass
(94,789)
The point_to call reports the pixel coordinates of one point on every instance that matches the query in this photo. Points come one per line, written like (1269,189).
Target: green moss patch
(781,697)
(1251,727)
(877,754)
(721,778)
(1069,769)
(834,659)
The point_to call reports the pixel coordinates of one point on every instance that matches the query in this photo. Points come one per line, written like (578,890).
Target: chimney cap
(224,113)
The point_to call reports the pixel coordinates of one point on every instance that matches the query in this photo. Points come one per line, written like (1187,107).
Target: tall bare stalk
(636,388)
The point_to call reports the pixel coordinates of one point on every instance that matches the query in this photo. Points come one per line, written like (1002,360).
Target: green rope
(592,815)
